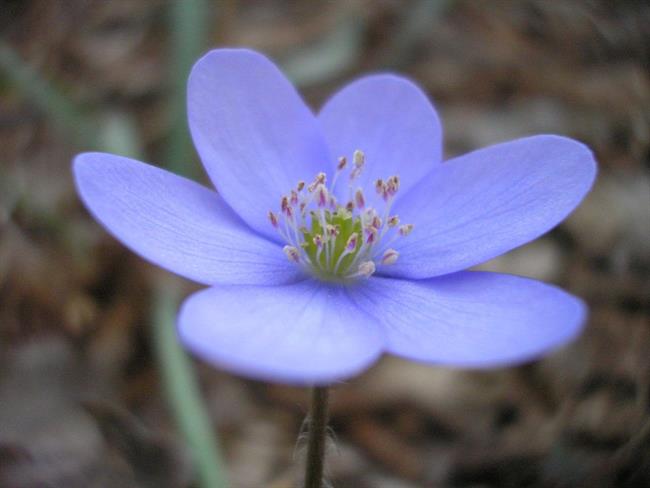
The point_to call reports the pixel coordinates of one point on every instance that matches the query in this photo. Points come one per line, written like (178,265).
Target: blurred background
(93,390)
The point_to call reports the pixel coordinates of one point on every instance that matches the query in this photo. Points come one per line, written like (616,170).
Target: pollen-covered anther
(292,253)
(366,269)
(300,186)
(371,234)
(343,162)
(392,185)
(359,158)
(286,207)
(393,221)
(379,186)
(359,199)
(318,240)
(351,245)
(389,256)
(322,195)
(332,230)
(405,229)
(321,179)
(273,218)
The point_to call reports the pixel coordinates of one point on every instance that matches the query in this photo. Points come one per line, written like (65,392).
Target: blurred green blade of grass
(182,388)
(189,22)
(116,132)
(45,96)
(189,35)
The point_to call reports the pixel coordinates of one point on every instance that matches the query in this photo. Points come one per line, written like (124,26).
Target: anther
(320,179)
(392,185)
(359,199)
(273,218)
(366,269)
(332,230)
(379,186)
(351,245)
(389,257)
(371,235)
(322,195)
(343,162)
(286,208)
(359,158)
(405,229)
(318,240)
(393,221)
(300,186)
(292,253)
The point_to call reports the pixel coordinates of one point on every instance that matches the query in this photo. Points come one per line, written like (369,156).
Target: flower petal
(472,319)
(255,135)
(487,202)
(176,223)
(391,120)
(304,333)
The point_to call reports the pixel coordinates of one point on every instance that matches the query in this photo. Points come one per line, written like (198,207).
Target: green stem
(183,391)
(317,438)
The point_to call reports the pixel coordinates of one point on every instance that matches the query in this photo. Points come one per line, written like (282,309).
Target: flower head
(338,237)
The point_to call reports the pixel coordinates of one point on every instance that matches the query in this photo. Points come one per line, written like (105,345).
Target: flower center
(339,242)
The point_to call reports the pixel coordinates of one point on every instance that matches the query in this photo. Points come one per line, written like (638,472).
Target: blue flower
(335,238)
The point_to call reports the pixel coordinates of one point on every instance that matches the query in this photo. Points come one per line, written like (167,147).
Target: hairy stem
(317,438)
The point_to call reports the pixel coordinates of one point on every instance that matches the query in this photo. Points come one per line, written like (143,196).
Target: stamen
(389,257)
(405,229)
(292,253)
(366,269)
(359,199)
(339,242)
(351,245)
(359,158)
(322,195)
(273,218)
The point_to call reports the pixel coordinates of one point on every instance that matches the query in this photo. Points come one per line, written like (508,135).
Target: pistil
(339,242)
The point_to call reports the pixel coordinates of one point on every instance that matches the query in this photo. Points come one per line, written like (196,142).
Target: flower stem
(317,438)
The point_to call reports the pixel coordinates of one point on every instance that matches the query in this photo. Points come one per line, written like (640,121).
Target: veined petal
(485,203)
(304,333)
(391,120)
(255,135)
(176,223)
(471,319)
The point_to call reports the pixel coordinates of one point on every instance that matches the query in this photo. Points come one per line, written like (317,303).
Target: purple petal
(304,333)
(472,319)
(487,202)
(176,223)
(391,120)
(255,135)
